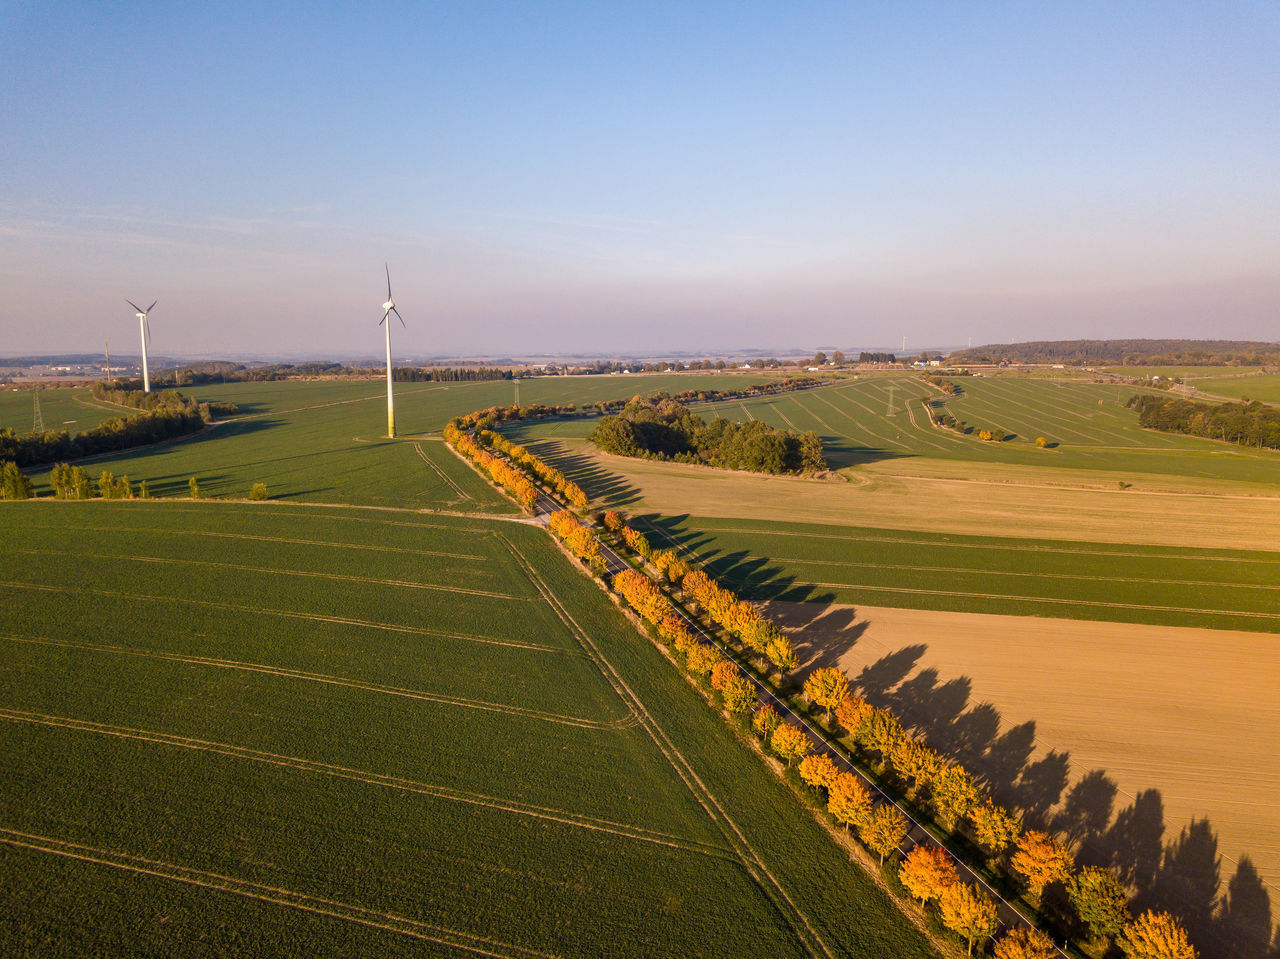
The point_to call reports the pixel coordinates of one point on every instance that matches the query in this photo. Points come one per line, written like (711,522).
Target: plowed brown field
(1192,713)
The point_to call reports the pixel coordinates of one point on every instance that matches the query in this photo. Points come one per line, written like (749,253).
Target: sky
(636,177)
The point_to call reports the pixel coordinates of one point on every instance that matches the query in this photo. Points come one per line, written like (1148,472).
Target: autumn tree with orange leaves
(849,800)
(927,871)
(1042,860)
(818,771)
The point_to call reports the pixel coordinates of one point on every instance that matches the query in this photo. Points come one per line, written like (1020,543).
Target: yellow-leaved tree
(827,688)
(884,829)
(1025,944)
(789,742)
(1155,935)
(994,826)
(967,911)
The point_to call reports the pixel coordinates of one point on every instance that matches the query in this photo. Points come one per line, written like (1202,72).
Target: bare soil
(1193,713)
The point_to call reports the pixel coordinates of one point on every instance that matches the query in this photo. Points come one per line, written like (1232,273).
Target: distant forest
(1127,353)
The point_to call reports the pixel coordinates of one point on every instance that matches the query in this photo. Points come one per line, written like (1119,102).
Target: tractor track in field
(613,725)
(312,574)
(422,455)
(750,860)
(287,614)
(367,777)
(274,895)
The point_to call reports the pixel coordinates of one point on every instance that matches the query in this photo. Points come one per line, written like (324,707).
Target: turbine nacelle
(389,307)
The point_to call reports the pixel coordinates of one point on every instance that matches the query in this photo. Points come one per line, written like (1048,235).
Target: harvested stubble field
(1265,387)
(1112,697)
(242,729)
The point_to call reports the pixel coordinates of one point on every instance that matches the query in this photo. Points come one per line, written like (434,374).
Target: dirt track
(1190,712)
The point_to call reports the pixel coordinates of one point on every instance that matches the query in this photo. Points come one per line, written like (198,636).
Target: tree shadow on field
(597,482)
(1181,876)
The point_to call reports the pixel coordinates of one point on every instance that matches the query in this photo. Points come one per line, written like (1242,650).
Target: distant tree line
(1249,424)
(1127,353)
(865,357)
(172,415)
(662,428)
(448,374)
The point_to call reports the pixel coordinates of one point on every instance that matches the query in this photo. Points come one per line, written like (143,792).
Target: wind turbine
(145,332)
(388,308)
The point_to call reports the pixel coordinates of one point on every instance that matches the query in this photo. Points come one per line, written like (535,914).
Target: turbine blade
(136,308)
(152,306)
(147,326)
(384,317)
(398,316)
(388,280)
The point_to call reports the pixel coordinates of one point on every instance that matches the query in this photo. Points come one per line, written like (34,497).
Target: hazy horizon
(633,178)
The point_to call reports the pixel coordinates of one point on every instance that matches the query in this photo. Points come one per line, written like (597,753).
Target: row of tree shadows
(1182,876)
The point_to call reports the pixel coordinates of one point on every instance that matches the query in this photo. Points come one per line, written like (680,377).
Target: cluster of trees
(663,428)
(579,539)
(951,389)
(131,394)
(14,484)
(941,416)
(503,473)
(535,466)
(1127,353)
(152,426)
(1249,424)
(486,418)
(865,357)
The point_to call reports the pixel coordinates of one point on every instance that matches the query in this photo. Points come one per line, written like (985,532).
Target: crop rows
(1221,589)
(245,707)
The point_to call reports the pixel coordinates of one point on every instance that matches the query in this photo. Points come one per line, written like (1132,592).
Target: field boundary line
(746,855)
(285,673)
(1050,600)
(515,807)
(799,561)
(339,577)
(289,614)
(386,921)
(1175,552)
(422,455)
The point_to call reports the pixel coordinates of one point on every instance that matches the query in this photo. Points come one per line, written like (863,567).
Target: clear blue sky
(637,176)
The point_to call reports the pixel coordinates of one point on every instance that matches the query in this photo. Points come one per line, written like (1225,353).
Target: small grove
(1248,424)
(663,428)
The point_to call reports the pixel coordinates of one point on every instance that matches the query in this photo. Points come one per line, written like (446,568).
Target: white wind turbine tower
(388,308)
(145,332)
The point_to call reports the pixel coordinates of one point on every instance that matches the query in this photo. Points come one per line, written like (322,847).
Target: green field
(242,729)
(71,408)
(883,417)
(1265,387)
(796,562)
(324,441)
